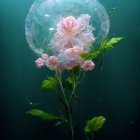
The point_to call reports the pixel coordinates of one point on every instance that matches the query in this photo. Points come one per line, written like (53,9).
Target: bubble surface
(42,19)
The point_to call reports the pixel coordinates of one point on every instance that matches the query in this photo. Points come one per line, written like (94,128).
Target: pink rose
(77,50)
(73,31)
(44,56)
(68,26)
(39,63)
(53,62)
(70,58)
(88,65)
(71,64)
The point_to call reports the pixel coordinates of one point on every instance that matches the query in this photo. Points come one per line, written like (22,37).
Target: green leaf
(109,44)
(114,40)
(104,46)
(90,56)
(43,115)
(69,80)
(50,83)
(58,124)
(95,124)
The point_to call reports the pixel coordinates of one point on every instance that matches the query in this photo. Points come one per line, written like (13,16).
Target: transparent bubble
(44,15)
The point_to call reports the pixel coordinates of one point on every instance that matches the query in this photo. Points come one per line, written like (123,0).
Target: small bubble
(114,8)
(31,103)
(47,15)
(51,29)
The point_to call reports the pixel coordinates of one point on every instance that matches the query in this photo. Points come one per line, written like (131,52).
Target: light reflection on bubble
(47,15)
(43,16)
(51,29)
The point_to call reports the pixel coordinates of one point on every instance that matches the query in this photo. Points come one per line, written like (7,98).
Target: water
(114,90)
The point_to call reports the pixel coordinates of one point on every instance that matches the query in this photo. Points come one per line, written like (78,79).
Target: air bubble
(45,14)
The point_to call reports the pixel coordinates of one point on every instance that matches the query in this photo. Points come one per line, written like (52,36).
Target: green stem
(68,107)
(86,136)
(73,87)
(71,124)
(62,89)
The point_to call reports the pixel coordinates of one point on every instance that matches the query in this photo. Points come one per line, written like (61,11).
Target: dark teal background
(113,91)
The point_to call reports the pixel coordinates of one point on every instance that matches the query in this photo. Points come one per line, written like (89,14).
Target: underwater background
(112,89)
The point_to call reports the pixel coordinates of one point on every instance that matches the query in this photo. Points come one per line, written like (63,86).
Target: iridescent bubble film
(44,15)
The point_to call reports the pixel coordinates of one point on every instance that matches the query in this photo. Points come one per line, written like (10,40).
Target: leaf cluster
(43,115)
(94,124)
(59,120)
(50,83)
(104,46)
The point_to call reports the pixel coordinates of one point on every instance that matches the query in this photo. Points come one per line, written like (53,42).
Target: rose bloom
(69,58)
(88,65)
(69,26)
(73,32)
(53,63)
(39,63)
(77,50)
(44,56)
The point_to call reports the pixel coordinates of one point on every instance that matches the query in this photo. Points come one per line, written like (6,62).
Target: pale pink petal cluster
(73,32)
(53,62)
(70,57)
(39,63)
(68,26)
(73,36)
(88,65)
(45,57)
(77,50)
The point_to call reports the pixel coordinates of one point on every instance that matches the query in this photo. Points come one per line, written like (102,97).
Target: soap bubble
(44,15)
